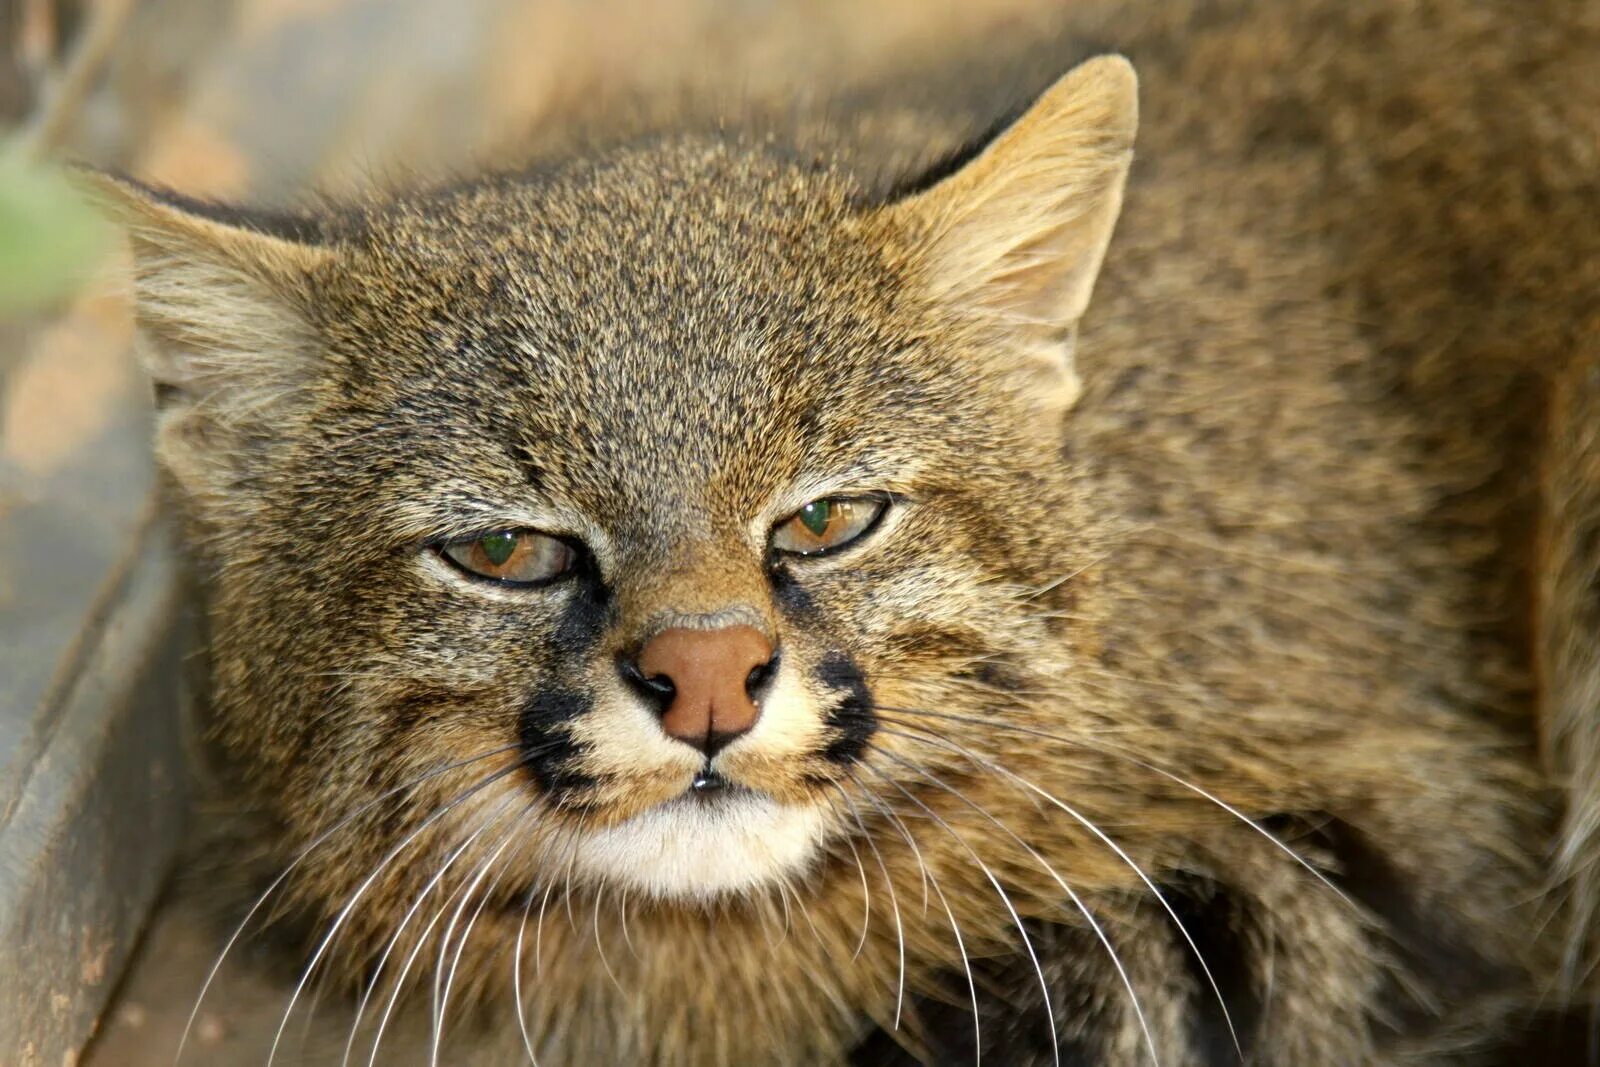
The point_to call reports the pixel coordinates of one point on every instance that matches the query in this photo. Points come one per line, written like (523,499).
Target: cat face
(606,516)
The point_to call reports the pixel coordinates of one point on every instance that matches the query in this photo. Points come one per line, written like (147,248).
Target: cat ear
(220,295)
(1017,235)
(221,299)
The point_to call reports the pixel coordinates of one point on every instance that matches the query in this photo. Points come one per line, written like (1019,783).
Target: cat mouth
(710,790)
(709,784)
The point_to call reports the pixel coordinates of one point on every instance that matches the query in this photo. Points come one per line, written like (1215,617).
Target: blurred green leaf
(51,237)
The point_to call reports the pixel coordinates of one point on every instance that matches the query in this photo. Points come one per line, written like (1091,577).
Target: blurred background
(258,101)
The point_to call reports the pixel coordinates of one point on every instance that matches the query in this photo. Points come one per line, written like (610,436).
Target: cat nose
(705,684)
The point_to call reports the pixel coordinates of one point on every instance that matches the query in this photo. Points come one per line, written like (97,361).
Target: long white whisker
(516,962)
(783,898)
(622,915)
(600,946)
(930,879)
(992,724)
(442,996)
(422,938)
(392,943)
(905,835)
(1111,844)
(389,947)
(316,843)
(805,913)
(866,893)
(1077,901)
(367,884)
(516,975)
(1016,920)
(894,905)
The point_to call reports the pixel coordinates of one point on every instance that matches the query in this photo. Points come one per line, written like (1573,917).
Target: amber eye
(519,557)
(828,523)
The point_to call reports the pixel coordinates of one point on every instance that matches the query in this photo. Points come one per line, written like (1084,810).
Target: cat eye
(828,523)
(516,557)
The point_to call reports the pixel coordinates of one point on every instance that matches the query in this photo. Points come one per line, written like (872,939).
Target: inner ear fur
(1017,235)
(221,294)
(221,299)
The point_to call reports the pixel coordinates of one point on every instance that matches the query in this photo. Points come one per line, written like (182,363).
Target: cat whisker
(599,945)
(1072,894)
(866,891)
(890,818)
(1273,839)
(516,962)
(405,921)
(371,879)
(622,916)
(566,892)
(1005,900)
(955,927)
(318,989)
(1109,843)
(1034,594)
(442,997)
(283,876)
(774,933)
(422,938)
(787,886)
(388,949)
(538,938)
(966,967)
(783,898)
(894,904)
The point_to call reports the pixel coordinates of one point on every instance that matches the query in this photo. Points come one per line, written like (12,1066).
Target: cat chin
(694,850)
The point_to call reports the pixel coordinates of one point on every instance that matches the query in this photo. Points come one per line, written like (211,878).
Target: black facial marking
(852,716)
(793,600)
(583,619)
(547,744)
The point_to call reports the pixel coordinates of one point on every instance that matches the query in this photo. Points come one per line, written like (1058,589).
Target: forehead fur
(684,312)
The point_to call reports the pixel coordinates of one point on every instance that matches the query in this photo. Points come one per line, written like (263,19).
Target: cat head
(618,505)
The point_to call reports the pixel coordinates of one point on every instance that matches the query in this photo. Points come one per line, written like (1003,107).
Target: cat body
(1184,679)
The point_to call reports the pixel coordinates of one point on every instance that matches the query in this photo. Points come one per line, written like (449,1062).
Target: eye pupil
(498,547)
(815,516)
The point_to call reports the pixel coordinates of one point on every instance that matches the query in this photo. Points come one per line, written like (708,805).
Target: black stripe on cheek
(851,718)
(547,744)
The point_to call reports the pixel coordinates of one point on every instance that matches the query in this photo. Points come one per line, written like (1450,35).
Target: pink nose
(709,681)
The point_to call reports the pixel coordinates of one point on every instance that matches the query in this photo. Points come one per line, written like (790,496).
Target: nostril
(657,689)
(759,680)
(704,684)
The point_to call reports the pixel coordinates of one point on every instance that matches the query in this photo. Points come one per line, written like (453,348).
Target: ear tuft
(1017,235)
